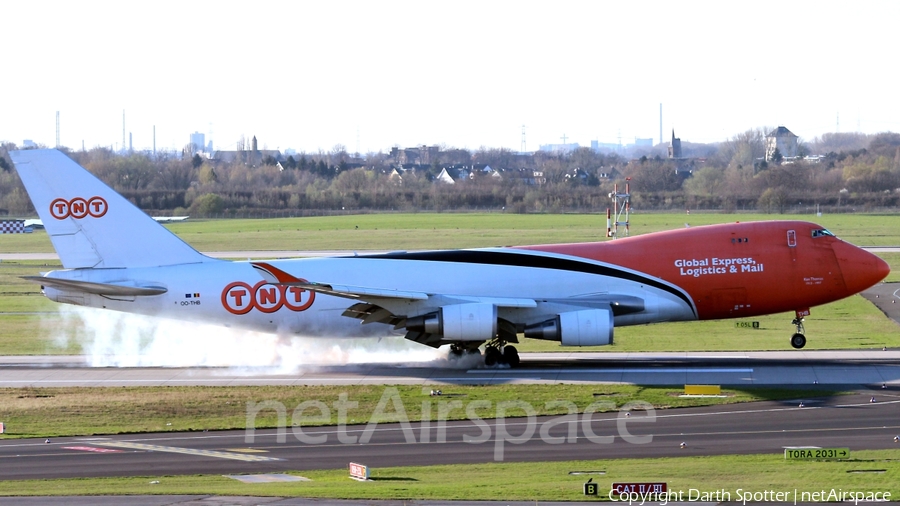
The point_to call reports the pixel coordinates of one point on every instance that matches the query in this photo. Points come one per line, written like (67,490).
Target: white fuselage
(233,294)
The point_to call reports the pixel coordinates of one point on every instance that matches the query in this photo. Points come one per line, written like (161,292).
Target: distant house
(487,170)
(444,177)
(784,141)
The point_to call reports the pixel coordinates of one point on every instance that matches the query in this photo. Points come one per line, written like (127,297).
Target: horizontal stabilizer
(108,289)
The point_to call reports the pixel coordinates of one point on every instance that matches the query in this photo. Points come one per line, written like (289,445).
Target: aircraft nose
(859,268)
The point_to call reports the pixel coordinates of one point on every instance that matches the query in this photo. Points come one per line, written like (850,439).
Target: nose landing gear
(798,340)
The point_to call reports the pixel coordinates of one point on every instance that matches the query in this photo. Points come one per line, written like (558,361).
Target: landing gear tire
(492,356)
(798,340)
(459,351)
(511,356)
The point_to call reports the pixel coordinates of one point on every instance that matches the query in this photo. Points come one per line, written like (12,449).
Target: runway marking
(247,450)
(188,451)
(91,449)
(670,370)
(265,478)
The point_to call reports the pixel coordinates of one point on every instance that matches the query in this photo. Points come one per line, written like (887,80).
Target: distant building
(28,143)
(675,146)
(559,148)
(643,143)
(422,155)
(597,147)
(253,157)
(784,141)
(198,142)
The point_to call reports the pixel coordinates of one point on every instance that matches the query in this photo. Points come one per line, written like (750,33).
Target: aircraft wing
(277,276)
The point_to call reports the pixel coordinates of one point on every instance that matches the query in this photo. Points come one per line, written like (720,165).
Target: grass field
(38,412)
(530,481)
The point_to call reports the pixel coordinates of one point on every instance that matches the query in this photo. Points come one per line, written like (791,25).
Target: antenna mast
(621,210)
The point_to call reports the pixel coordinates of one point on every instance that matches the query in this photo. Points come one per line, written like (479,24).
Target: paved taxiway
(763,427)
(859,367)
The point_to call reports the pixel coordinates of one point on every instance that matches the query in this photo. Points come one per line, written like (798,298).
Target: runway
(764,427)
(783,368)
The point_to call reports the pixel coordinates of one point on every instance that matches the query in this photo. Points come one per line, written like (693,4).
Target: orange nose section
(859,268)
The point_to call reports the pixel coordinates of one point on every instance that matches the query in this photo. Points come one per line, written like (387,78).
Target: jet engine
(589,327)
(458,322)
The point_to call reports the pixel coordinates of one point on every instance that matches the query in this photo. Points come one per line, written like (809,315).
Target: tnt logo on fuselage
(78,208)
(240,298)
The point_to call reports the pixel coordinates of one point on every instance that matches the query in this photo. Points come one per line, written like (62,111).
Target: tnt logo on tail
(79,208)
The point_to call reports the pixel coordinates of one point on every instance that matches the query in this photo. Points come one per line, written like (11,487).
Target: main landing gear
(496,352)
(798,340)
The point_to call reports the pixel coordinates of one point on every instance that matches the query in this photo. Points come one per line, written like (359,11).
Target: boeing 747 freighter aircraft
(117,257)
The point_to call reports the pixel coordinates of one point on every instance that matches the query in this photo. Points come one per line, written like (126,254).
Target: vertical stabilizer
(91,225)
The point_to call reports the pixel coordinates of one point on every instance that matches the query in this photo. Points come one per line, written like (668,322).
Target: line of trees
(854,172)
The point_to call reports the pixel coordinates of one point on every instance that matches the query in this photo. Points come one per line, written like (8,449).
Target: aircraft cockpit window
(821,232)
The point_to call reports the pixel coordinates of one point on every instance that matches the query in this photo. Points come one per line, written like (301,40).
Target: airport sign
(816,453)
(638,488)
(359,472)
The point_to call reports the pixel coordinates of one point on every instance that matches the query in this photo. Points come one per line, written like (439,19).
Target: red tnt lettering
(296,291)
(295,301)
(59,209)
(267,296)
(97,207)
(78,208)
(238,296)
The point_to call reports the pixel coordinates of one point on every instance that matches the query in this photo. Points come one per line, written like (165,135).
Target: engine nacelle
(589,327)
(458,322)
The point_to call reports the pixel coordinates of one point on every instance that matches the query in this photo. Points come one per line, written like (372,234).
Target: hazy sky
(373,74)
